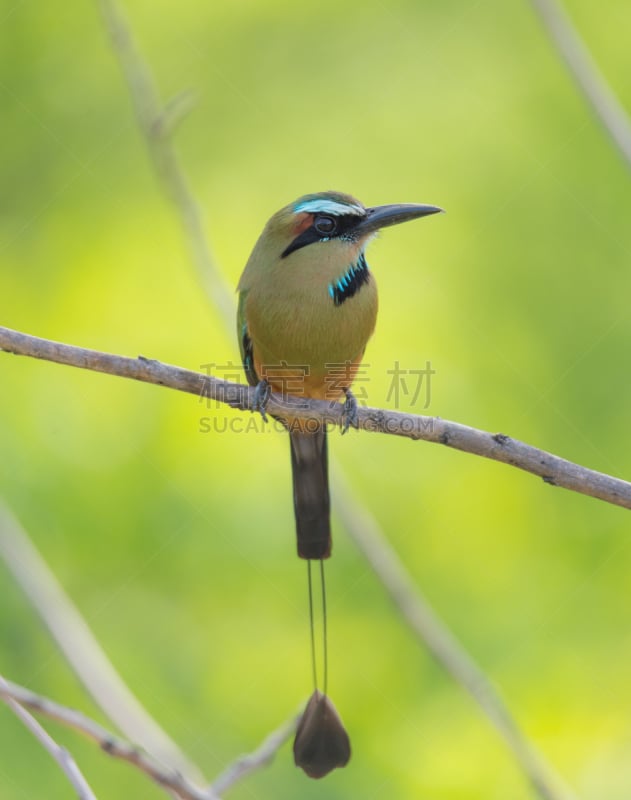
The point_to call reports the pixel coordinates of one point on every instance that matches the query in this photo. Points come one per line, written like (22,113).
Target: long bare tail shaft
(312,626)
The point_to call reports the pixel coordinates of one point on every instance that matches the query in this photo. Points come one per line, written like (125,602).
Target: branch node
(378,421)
(173,114)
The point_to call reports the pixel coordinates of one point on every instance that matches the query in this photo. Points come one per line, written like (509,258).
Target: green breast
(301,324)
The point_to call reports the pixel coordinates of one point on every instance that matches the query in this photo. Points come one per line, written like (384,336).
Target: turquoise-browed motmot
(307,307)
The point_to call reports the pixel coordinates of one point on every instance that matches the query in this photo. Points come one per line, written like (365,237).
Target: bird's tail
(309,466)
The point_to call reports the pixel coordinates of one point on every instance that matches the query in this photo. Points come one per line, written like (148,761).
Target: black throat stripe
(350,282)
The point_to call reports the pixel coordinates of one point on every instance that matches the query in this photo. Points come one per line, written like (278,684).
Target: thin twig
(151,115)
(585,72)
(59,753)
(83,652)
(261,757)
(555,471)
(430,630)
(117,748)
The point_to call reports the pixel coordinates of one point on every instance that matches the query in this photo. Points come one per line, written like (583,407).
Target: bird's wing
(245,343)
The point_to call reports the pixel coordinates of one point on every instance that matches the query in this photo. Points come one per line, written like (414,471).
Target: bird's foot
(349,413)
(261,398)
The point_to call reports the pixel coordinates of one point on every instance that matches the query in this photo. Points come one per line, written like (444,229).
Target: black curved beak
(383,216)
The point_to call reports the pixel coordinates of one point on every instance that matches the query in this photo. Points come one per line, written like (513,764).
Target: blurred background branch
(82,650)
(432,632)
(261,757)
(585,72)
(164,776)
(157,122)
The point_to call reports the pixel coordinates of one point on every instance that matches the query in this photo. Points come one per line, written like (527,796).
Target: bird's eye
(325,225)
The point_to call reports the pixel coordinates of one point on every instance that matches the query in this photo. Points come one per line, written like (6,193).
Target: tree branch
(59,753)
(585,72)
(554,470)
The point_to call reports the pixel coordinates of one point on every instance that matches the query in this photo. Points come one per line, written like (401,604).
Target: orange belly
(302,382)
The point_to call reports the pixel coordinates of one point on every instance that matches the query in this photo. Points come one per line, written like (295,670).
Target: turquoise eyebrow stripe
(326,206)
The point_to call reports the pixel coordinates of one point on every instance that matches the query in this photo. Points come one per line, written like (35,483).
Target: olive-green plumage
(307,307)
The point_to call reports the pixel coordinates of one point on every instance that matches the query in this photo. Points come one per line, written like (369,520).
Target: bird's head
(320,236)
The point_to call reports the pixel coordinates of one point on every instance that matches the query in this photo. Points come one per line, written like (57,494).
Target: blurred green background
(178,545)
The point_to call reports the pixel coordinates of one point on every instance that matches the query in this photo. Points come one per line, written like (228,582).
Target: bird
(307,308)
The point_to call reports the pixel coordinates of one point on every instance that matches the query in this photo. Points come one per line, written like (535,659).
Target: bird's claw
(349,412)
(262,393)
